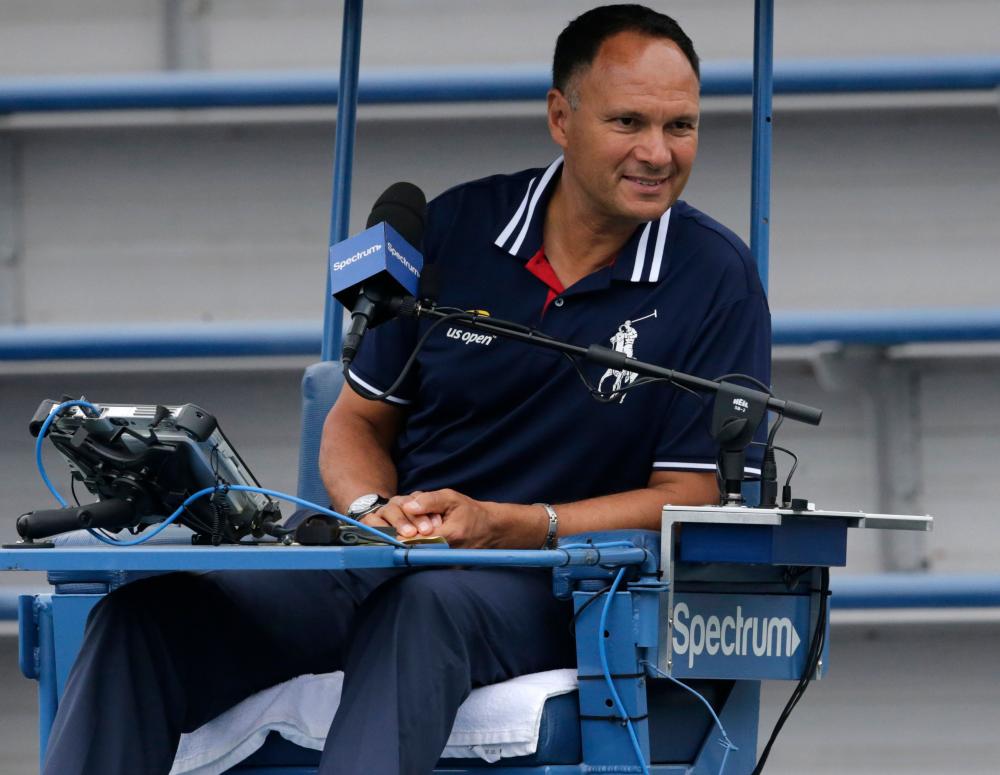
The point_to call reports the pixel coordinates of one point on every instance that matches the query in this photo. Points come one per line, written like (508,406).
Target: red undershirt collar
(540,267)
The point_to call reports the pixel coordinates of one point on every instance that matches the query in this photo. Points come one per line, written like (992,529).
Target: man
(478,443)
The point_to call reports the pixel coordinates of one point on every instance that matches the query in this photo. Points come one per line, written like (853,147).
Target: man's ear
(558,114)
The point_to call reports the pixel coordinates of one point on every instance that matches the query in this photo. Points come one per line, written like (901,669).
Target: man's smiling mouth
(644,181)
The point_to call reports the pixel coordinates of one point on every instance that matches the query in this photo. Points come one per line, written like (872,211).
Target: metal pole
(343,162)
(760,175)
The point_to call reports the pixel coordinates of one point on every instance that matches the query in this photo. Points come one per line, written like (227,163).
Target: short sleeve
(735,339)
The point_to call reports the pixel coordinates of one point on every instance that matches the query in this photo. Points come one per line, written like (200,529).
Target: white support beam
(892,389)
(11,281)
(185,37)
(899,461)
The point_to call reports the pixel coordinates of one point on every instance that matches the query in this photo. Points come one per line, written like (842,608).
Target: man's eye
(626,121)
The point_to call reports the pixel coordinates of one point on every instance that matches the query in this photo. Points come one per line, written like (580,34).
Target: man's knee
(167,598)
(428,590)
(420,605)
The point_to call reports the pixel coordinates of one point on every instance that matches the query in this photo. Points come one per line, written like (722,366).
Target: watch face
(363,503)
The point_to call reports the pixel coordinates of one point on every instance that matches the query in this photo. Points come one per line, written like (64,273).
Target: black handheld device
(142,462)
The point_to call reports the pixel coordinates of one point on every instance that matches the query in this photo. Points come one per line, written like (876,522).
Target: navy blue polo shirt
(502,420)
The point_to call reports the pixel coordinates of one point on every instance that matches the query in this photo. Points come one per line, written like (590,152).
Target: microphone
(381,264)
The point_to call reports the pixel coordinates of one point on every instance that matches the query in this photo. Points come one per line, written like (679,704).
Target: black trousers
(164,655)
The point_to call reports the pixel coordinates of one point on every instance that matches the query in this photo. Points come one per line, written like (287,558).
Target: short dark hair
(577,45)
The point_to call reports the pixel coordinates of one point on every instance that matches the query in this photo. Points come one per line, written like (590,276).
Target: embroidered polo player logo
(624,342)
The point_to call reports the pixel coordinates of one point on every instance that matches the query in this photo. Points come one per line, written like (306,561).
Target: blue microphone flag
(376,252)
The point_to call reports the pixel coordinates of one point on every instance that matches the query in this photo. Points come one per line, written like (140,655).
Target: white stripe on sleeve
(698,467)
(373,389)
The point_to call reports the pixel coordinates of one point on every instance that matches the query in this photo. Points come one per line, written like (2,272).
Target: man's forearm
(466,522)
(354,460)
(642,508)
(634,509)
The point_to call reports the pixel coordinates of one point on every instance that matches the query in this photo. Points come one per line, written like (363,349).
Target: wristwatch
(366,504)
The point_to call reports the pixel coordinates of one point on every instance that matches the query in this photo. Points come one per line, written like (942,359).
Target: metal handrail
(272,338)
(879,591)
(469,84)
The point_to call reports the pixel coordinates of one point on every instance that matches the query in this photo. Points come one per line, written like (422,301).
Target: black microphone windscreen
(404,207)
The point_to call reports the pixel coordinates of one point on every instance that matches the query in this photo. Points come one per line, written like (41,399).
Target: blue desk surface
(278,557)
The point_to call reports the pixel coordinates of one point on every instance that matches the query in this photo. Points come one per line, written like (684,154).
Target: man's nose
(654,149)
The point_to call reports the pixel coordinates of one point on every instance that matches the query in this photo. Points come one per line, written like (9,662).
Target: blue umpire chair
(579,732)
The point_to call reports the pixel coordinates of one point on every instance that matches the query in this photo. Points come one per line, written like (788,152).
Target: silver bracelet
(550,536)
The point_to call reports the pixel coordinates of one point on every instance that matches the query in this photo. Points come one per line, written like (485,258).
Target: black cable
(748,378)
(774,430)
(795,464)
(581,609)
(607,398)
(409,361)
(812,662)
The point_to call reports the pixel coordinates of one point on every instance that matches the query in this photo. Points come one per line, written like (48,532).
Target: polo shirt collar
(640,261)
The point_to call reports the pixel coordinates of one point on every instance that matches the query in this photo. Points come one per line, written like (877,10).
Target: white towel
(494,722)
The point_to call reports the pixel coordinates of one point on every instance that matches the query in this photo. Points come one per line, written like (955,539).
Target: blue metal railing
(868,592)
(444,85)
(265,338)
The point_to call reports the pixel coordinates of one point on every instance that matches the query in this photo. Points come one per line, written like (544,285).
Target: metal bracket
(675,516)
(27,640)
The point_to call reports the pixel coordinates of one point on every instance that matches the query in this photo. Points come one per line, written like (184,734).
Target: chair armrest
(595,577)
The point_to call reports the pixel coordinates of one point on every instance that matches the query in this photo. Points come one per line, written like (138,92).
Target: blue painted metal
(213,340)
(887,327)
(484,84)
(164,557)
(803,542)
(11,600)
(343,163)
(740,636)
(266,338)
(915,590)
(741,718)
(605,739)
(760,173)
(877,591)
(553,769)
(69,619)
(48,697)
(27,645)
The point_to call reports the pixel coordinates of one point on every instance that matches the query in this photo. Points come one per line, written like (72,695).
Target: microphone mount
(738,409)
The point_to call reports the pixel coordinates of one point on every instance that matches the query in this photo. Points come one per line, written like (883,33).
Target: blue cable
(246,488)
(725,742)
(41,437)
(602,650)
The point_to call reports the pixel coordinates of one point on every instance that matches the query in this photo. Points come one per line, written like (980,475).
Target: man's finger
(375,521)
(395,517)
(427,504)
(406,524)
